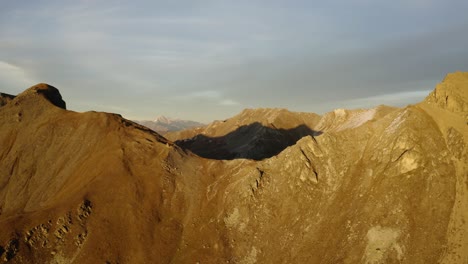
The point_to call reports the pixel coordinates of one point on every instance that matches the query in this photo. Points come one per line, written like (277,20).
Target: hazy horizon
(207,60)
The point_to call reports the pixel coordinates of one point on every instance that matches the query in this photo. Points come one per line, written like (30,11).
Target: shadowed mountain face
(254,141)
(253,134)
(382,185)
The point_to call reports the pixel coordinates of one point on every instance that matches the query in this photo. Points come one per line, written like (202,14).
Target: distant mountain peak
(163,124)
(164,119)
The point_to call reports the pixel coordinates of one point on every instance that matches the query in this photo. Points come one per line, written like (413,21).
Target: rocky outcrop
(452,94)
(45,91)
(5,98)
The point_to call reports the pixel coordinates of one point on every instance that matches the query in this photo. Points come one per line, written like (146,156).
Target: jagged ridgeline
(380,185)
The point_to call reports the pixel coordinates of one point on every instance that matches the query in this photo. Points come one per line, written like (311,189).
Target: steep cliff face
(447,105)
(452,94)
(384,185)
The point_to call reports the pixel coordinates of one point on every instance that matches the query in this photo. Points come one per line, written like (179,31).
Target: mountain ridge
(371,187)
(163,124)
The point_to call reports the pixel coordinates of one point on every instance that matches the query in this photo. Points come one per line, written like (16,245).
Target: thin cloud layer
(207,60)
(13,76)
(393,99)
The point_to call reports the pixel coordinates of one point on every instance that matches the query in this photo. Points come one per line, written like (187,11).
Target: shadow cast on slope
(254,141)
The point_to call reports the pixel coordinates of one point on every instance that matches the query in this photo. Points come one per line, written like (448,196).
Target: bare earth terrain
(380,185)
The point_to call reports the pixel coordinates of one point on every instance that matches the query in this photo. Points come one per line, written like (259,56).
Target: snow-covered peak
(164,119)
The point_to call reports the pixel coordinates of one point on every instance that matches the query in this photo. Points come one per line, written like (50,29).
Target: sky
(209,59)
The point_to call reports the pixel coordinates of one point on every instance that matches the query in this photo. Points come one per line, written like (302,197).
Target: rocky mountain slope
(253,134)
(162,124)
(384,185)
